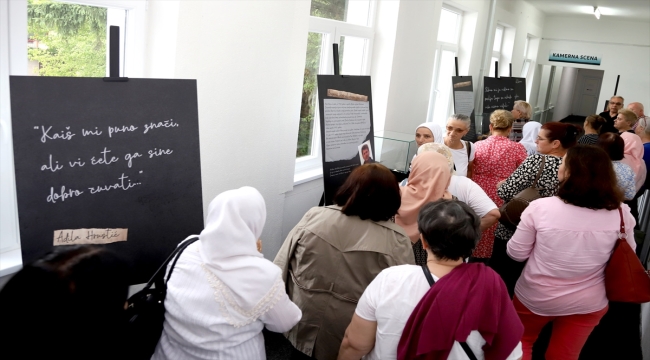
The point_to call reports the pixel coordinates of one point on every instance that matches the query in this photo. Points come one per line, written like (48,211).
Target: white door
(586,93)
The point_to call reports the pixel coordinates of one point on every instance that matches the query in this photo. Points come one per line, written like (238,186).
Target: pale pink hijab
(428,181)
(633,152)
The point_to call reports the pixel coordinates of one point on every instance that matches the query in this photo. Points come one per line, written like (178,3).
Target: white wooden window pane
(448,28)
(352,52)
(443,86)
(498,36)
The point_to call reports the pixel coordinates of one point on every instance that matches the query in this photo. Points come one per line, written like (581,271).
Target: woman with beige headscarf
(466,190)
(428,181)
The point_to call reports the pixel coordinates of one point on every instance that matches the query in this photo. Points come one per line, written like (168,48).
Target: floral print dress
(496,159)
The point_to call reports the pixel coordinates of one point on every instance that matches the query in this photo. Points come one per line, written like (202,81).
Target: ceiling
(615,9)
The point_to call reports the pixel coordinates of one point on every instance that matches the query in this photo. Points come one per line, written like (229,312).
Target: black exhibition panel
(465,85)
(520,88)
(91,154)
(336,172)
(498,93)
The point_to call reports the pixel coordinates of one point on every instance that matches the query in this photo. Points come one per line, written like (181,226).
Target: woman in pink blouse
(496,158)
(568,239)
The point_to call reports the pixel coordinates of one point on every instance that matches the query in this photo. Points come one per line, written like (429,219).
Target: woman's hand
(259,245)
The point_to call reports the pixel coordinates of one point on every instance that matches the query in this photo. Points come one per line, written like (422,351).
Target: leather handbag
(146,309)
(511,211)
(626,280)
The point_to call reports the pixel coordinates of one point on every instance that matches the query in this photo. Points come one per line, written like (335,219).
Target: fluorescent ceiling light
(597,12)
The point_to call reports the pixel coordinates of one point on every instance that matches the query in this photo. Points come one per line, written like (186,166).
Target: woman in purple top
(564,280)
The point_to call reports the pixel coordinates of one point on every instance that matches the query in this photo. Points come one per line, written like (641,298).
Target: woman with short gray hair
(457,126)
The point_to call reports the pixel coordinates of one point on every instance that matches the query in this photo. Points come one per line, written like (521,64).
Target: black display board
(102,155)
(345,104)
(520,88)
(463,92)
(501,93)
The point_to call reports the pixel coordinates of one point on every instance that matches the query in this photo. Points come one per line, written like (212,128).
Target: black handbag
(511,211)
(146,309)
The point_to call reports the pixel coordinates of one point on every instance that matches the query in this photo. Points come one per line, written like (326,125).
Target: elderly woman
(467,191)
(428,181)
(463,151)
(592,126)
(564,280)
(223,292)
(67,305)
(468,303)
(633,145)
(553,141)
(334,252)
(614,146)
(496,158)
(530,132)
(521,112)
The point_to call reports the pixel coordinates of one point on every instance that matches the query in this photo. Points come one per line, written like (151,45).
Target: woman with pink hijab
(633,152)
(427,182)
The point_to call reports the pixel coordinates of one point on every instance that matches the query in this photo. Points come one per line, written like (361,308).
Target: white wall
(623,44)
(248,58)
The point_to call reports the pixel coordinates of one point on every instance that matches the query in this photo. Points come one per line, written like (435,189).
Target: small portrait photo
(365,153)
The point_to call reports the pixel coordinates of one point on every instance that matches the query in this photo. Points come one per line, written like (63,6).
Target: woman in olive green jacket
(334,252)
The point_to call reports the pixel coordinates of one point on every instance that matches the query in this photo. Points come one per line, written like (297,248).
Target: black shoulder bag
(463,344)
(146,309)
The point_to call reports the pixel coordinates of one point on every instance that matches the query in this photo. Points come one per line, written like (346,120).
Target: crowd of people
(421,269)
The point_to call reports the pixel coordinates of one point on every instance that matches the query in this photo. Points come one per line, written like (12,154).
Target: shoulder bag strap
(466,348)
(621,234)
(468,351)
(178,252)
(158,277)
(428,275)
(541,169)
(468,145)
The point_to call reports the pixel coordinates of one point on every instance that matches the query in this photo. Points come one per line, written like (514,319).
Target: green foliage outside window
(70,38)
(330,9)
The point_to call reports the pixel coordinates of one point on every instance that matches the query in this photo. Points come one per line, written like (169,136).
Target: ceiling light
(597,12)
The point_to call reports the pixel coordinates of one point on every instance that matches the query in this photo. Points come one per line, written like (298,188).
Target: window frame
(14,59)
(497,53)
(309,167)
(440,47)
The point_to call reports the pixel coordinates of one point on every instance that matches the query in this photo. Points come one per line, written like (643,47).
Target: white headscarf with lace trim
(245,284)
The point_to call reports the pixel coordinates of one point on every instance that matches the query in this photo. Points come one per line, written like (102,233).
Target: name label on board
(577,58)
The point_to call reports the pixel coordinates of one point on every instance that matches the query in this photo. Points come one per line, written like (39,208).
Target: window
(74,31)
(529,60)
(340,22)
(70,39)
(440,106)
(496,48)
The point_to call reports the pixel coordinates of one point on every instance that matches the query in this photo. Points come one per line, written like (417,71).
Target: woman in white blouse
(223,292)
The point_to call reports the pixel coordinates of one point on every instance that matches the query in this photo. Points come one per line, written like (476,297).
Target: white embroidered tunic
(203,321)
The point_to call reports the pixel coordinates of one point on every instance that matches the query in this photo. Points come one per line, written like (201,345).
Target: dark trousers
(508,269)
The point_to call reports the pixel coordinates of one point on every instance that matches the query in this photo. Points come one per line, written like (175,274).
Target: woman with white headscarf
(529,133)
(427,133)
(223,292)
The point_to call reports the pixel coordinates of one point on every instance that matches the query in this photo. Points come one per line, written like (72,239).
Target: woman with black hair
(592,126)
(446,302)
(67,305)
(334,252)
(564,280)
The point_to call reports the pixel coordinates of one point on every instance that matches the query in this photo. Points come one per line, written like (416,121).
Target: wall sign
(577,58)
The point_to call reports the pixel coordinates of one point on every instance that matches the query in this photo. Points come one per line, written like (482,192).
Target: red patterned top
(496,158)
